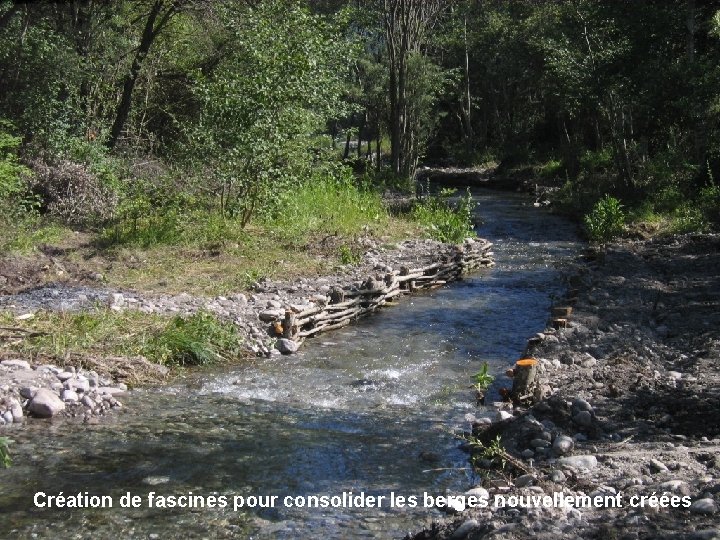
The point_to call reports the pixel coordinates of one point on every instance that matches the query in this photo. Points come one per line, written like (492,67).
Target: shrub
(606,220)
(72,193)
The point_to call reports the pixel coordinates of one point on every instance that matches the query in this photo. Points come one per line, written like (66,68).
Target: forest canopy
(115,112)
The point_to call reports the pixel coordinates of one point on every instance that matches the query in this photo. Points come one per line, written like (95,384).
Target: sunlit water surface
(370,409)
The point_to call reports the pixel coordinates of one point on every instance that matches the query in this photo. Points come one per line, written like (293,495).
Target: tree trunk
(149,34)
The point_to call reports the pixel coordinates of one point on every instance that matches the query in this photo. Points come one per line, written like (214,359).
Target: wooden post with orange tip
(524,375)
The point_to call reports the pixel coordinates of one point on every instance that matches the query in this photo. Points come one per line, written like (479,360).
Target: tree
(161,11)
(264,103)
(407,24)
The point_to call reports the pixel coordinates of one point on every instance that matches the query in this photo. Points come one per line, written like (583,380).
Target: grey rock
(579,462)
(539,443)
(270,315)
(110,391)
(8,417)
(466,528)
(46,403)
(676,486)
(16,410)
(558,477)
(563,445)
(479,492)
(658,466)
(21,364)
(524,480)
(583,418)
(287,346)
(77,385)
(703,506)
(69,396)
(65,375)
(503,415)
(579,404)
(88,401)
(28,391)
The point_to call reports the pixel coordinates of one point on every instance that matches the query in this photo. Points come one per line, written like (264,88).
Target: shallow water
(369,409)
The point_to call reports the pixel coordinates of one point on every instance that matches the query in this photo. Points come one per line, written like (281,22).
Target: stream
(371,409)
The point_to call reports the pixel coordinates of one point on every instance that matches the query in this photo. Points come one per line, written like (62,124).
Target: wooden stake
(524,374)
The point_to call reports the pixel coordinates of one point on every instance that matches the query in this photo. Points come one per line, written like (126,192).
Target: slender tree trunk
(361,128)
(346,154)
(377,152)
(149,34)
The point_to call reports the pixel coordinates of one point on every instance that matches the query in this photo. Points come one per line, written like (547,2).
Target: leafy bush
(349,255)
(196,340)
(446,222)
(688,218)
(606,220)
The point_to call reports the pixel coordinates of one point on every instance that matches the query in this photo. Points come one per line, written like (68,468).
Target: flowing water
(370,410)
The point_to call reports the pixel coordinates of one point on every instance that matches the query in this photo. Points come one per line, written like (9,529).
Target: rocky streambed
(627,411)
(306,307)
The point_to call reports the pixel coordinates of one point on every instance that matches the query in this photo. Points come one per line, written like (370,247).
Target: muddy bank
(274,318)
(628,406)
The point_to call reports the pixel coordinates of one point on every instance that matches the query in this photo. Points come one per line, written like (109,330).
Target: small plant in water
(5,459)
(493,452)
(482,378)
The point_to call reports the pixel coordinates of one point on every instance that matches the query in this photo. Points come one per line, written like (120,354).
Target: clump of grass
(5,459)
(349,255)
(196,340)
(606,220)
(330,205)
(193,341)
(445,221)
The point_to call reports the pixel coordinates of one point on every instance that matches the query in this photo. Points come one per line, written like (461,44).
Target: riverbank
(85,385)
(629,406)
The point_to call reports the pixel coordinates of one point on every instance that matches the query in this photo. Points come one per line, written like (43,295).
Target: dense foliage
(143,119)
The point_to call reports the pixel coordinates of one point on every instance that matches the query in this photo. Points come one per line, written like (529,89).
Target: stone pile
(46,391)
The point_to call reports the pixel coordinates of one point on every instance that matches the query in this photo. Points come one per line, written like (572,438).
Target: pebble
(466,528)
(583,418)
(500,416)
(563,445)
(558,476)
(287,346)
(579,462)
(45,403)
(22,364)
(703,506)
